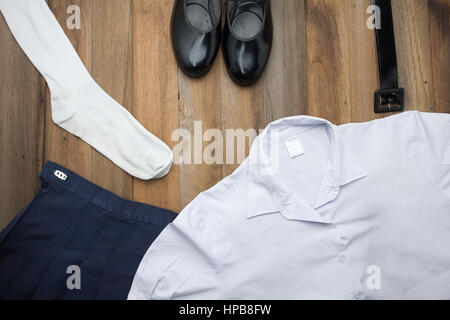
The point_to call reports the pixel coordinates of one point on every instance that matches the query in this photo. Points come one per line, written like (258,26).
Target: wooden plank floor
(323,64)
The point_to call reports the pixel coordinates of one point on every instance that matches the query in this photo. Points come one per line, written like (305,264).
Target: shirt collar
(266,194)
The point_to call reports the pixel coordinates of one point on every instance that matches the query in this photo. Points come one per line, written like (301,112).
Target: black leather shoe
(196,32)
(247,39)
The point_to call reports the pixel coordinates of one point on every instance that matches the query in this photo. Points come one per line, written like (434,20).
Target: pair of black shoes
(246,38)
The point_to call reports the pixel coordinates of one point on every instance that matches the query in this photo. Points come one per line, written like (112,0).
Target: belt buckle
(389,100)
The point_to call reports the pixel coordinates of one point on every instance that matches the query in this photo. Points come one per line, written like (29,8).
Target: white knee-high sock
(79,105)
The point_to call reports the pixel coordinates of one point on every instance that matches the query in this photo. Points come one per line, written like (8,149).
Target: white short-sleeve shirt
(317,211)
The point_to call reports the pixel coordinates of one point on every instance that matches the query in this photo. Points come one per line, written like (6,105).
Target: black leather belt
(389,98)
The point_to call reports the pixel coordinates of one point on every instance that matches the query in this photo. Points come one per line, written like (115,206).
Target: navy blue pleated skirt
(76,241)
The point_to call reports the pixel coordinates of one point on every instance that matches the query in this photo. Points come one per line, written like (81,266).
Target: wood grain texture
(22,107)
(341,60)
(285,82)
(412,33)
(112,68)
(200,110)
(155,93)
(241,109)
(323,63)
(439,19)
(362,63)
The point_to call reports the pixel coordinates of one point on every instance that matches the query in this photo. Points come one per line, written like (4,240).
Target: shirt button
(343,242)
(332,194)
(342,258)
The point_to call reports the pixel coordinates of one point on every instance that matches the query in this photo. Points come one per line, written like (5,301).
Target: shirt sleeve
(432,131)
(182,262)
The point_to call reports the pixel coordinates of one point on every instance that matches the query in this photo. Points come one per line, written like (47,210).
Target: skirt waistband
(55,174)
